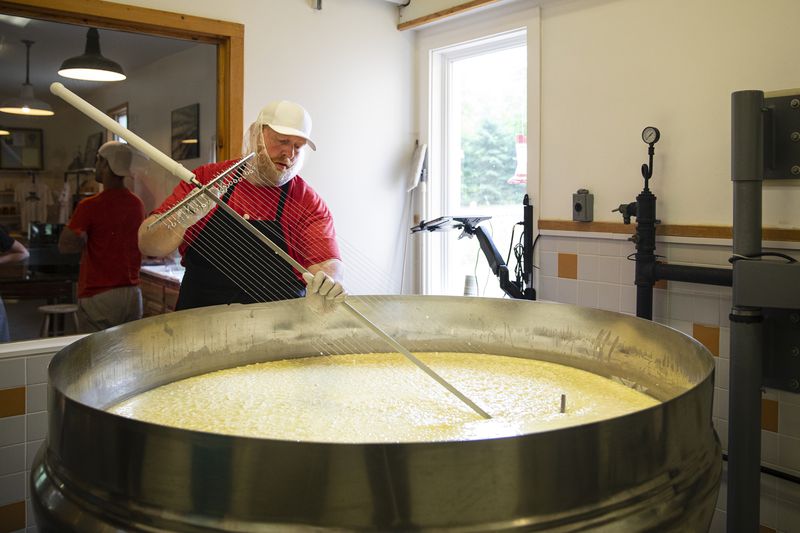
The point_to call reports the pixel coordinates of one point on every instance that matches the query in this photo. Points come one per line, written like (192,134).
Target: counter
(160,285)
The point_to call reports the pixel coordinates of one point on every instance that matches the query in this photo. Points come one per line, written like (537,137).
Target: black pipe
(746,323)
(773,472)
(694,274)
(648,270)
(645,240)
(529,293)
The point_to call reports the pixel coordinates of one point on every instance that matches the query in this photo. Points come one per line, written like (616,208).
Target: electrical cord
(511,241)
(738,257)
(632,257)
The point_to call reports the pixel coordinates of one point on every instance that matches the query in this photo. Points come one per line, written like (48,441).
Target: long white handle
(171,166)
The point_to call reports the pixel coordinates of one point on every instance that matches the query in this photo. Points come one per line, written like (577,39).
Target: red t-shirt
(111,258)
(306,221)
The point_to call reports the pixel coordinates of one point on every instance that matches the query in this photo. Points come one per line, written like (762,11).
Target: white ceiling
(55,42)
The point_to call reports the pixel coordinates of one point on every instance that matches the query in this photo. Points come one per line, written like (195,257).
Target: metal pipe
(694,274)
(744,417)
(645,251)
(644,301)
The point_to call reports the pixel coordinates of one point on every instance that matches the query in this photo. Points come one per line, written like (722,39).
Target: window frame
(443,193)
(491,20)
(115,112)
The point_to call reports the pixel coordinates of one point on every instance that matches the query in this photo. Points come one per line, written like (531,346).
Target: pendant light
(27,104)
(92,65)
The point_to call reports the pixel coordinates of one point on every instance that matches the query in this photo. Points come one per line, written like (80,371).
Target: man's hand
(322,288)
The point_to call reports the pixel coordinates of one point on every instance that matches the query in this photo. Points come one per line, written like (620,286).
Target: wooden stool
(58,312)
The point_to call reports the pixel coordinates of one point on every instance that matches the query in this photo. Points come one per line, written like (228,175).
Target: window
(120,115)
(478,152)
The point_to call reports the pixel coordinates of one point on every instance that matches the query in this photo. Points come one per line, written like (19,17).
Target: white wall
(350,67)
(612,67)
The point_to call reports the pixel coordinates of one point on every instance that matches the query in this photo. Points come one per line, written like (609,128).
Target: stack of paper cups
(470,285)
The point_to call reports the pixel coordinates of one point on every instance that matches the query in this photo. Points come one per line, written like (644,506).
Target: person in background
(103,228)
(11,251)
(227,264)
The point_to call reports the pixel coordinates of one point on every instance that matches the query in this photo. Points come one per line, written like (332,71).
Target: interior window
(478,168)
(120,116)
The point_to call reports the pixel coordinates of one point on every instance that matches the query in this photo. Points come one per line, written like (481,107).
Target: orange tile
(12,402)
(568,266)
(708,336)
(769,415)
(12,517)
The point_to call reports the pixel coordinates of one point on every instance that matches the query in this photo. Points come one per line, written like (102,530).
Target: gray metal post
(744,417)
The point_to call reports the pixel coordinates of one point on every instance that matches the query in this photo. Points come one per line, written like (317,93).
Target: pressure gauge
(650,135)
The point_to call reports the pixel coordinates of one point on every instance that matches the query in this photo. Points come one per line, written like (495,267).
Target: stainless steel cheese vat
(656,469)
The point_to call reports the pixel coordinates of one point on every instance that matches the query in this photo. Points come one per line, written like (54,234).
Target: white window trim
(498,21)
(442,167)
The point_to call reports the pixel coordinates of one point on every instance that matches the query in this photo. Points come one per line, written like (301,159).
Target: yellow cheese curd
(364,398)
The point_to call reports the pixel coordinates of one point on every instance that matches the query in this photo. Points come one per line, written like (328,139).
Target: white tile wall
(608,269)
(36,398)
(12,488)
(12,459)
(12,373)
(587,267)
(789,419)
(606,281)
(567,291)
(12,430)
(609,295)
(24,364)
(587,292)
(548,264)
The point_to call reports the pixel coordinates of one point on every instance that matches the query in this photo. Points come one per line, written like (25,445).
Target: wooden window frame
(227,36)
(114,112)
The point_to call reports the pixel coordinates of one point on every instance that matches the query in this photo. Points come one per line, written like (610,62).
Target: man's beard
(267,174)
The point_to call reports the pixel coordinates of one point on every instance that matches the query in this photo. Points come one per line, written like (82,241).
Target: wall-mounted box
(583,206)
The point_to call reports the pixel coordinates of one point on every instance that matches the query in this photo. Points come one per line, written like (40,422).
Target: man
(104,227)
(11,251)
(224,262)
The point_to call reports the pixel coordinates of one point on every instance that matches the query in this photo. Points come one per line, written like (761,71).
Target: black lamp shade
(26,103)
(92,65)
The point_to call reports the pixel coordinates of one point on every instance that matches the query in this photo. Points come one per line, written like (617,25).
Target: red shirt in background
(111,257)
(307,223)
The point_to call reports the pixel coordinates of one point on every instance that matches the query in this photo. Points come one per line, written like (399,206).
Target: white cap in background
(119,156)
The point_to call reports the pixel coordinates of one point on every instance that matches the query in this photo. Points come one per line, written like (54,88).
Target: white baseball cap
(119,157)
(287,118)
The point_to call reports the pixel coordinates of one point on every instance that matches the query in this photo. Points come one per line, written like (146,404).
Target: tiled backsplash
(23,424)
(594,271)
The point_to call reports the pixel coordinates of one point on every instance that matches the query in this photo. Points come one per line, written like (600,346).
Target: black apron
(227,264)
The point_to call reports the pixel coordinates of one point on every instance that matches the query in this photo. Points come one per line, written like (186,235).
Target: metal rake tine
(198,192)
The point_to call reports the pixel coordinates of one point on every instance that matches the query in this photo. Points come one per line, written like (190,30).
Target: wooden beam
(227,36)
(444,13)
(671,230)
